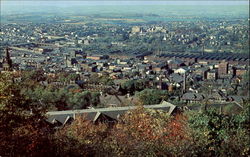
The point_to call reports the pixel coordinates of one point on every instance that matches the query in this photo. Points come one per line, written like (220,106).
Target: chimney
(184,83)
(203,49)
(128,95)
(170,87)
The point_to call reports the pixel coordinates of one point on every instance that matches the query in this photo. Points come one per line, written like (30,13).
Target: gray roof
(238,98)
(176,77)
(112,112)
(192,96)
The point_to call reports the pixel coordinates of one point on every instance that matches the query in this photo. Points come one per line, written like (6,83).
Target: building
(86,42)
(223,69)
(212,75)
(98,57)
(68,62)
(7,62)
(175,63)
(240,72)
(181,70)
(106,115)
(136,29)
(192,97)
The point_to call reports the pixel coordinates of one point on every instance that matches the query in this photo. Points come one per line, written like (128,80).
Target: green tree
(95,98)
(152,96)
(37,75)
(128,86)
(216,134)
(106,80)
(79,100)
(131,86)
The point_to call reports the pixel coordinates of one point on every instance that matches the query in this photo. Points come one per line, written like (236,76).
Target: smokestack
(66,60)
(184,83)
(203,49)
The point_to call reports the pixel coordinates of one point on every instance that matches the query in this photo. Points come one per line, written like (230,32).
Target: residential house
(103,115)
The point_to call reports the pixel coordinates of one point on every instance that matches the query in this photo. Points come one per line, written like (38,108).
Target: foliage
(81,138)
(147,133)
(152,96)
(82,100)
(105,80)
(37,75)
(215,134)
(61,98)
(22,124)
(140,132)
(144,132)
(131,86)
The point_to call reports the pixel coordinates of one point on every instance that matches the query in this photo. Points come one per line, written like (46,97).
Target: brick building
(223,69)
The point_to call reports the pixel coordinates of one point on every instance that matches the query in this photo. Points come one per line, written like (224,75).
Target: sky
(24,6)
(58,3)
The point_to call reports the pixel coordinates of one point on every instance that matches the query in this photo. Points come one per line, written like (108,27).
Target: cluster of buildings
(196,64)
(185,74)
(213,73)
(213,36)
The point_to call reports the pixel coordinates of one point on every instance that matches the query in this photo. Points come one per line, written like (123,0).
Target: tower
(7,62)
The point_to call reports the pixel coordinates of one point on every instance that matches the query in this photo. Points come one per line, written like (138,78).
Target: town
(133,84)
(183,74)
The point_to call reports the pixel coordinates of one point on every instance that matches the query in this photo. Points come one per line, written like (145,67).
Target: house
(217,96)
(236,98)
(175,63)
(212,75)
(97,57)
(106,115)
(202,71)
(158,67)
(192,97)
(177,78)
(240,71)
(181,70)
(116,100)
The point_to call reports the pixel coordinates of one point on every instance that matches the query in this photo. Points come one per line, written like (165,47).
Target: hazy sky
(59,3)
(21,6)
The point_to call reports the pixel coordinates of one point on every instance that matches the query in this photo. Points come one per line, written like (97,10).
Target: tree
(106,80)
(23,129)
(81,138)
(82,100)
(142,132)
(131,86)
(94,78)
(95,98)
(128,86)
(37,75)
(152,96)
(216,134)
(79,100)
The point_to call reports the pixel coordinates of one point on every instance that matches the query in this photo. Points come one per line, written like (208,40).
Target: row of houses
(107,115)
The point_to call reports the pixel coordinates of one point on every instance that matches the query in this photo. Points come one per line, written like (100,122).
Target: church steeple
(7,62)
